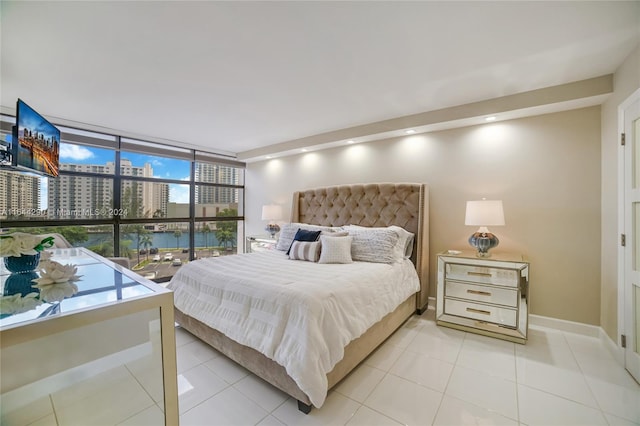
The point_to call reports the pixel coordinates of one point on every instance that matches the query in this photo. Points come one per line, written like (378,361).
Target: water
(161,240)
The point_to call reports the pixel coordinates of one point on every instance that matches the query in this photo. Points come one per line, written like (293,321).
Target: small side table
(254,243)
(487,296)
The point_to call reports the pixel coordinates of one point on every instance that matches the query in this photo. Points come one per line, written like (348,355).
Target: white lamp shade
(484,213)
(271,212)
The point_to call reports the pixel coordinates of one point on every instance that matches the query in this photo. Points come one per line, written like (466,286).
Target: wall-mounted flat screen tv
(36,142)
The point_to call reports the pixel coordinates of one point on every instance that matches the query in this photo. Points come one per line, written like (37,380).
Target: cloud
(179,193)
(74,152)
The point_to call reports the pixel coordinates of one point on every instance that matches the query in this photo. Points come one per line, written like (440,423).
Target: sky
(163,167)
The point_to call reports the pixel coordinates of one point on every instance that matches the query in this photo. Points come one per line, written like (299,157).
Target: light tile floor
(427,375)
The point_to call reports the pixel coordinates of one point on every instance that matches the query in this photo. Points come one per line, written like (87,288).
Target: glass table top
(99,284)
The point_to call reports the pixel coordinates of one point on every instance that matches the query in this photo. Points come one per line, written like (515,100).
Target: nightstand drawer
(493,314)
(483,274)
(480,293)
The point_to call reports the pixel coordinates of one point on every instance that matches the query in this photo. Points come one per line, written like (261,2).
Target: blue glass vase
(24,263)
(21,283)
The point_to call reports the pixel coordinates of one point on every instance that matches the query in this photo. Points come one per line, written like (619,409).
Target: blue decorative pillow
(305,235)
(289,230)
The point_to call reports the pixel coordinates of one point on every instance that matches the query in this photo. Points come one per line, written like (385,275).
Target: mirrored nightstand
(487,296)
(255,243)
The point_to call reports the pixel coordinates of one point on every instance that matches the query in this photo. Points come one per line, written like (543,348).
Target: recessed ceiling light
(268,157)
(350,142)
(490,118)
(304,150)
(410,131)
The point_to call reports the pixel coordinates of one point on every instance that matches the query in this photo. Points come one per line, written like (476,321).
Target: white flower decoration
(45,255)
(19,243)
(52,272)
(57,292)
(12,247)
(16,303)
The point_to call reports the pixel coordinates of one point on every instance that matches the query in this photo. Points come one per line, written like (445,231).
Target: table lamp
(271,213)
(484,213)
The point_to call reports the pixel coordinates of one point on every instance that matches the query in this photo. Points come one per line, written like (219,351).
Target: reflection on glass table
(98,283)
(96,349)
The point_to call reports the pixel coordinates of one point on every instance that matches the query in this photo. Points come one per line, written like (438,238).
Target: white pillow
(335,249)
(378,245)
(305,250)
(404,247)
(334,233)
(406,240)
(288,233)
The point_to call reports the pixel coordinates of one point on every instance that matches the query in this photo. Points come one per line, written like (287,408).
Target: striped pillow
(305,250)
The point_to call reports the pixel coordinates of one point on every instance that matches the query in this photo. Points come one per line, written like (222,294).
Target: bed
(367,205)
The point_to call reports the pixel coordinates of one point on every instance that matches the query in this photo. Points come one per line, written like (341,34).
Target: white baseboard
(432,303)
(572,327)
(580,328)
(564,325)
(614,349)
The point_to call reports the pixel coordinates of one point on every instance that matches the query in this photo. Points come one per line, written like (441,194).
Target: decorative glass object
(484,213)
(272,213)
(20,283)
(24,263)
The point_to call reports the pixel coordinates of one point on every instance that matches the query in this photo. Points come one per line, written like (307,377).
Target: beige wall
(626,81)
(546,169)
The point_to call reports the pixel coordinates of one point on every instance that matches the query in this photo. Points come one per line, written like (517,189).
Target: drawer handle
(478,311)
(478,292)
(479,274)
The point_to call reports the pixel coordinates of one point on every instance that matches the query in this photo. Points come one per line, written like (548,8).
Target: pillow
(406,240)
(305,235)
(335,249)
(334,233)
(378,245)
(305,250)
(404,248)
(288,232)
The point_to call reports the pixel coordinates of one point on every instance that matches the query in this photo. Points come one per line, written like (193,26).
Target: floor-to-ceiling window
(159,205)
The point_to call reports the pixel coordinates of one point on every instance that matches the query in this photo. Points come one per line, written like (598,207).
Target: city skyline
(83,196)
(167,168)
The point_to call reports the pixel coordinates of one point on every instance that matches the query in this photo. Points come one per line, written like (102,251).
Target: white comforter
(299,314)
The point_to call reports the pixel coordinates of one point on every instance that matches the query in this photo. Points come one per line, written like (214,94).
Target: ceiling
(242,77)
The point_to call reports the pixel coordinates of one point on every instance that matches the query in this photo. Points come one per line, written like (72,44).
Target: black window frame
(120,143)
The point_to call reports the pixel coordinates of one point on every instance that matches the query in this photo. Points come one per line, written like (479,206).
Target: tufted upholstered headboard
(375,204)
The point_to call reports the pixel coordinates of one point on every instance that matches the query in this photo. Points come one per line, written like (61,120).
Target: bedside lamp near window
(484,213)
(271,213)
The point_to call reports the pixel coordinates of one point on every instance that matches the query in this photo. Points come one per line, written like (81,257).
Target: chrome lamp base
(483,242)
(272,229)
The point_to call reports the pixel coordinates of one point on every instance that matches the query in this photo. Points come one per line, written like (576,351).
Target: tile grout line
(586,382)
(515,368)
(444,391)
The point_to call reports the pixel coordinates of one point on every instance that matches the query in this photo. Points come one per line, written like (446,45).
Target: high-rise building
(216,173)
(80,197)
(156,198)
(19,195)
(91,197)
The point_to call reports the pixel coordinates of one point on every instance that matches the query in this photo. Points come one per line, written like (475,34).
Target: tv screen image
(38,147)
